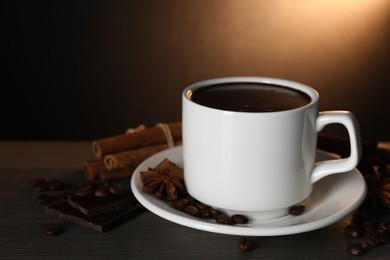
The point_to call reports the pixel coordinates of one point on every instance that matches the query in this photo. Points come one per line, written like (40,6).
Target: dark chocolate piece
(92,205)
(101,223)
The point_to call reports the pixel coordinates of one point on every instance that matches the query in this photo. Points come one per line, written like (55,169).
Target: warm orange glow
(321,34)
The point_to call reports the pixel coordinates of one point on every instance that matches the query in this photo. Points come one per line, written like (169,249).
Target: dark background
(82,70)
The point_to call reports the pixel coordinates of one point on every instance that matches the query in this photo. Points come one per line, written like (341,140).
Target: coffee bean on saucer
(205,213)
(353,230)
(356,249)
(201,206)
(239,219)
(49,229)
(214,212)
(245,244)
(191,210)
(224,219)
(297,210)
(179,203)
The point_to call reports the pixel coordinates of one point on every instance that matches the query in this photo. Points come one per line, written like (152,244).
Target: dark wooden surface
(145,236)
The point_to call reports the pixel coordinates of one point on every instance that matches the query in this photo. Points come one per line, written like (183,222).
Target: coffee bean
(36,182)
(355,249)
(201,206)
(179,203)
(353,230)
(101,192)
(117,189)
(369,226)
(385,226)
(297,210)
(81,191)
(56,185)
(372,239)
(192,210)
(205,213)
(43,199)
(239,219)
(49,229)
(383,235)
(39,184)
(214,212)
(191,200)
(245,244)
(224,219)
(89,185)
(57,198)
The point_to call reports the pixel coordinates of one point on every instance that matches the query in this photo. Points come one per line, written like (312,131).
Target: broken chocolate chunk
(102,200)
(102,223)
(92,205)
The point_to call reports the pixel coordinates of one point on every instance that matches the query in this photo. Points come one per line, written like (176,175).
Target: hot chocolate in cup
(249,144)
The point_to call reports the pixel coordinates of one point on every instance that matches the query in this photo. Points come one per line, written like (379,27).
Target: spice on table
(135,140)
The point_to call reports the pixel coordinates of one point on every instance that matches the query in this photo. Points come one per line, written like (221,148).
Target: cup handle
(324,168)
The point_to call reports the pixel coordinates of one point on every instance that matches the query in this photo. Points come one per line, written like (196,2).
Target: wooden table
(145,236)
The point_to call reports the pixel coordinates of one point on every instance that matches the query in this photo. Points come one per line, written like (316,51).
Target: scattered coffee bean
(383,235)
(192,210)
(81,191)
(57,198)
(353,230)
(117,189)
(297,210)
(245,244)
(89,185)
(43,199)
(39,184)
(49,229)
(372,239)
(385,226)
(355,249)
(239,219)
(224,219)
(36,182)
(369,226)
(101,192)
(56,185)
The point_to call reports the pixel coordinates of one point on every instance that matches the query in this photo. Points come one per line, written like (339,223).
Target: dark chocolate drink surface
(249,97)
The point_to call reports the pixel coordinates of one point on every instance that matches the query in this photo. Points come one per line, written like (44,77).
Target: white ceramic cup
(258,163)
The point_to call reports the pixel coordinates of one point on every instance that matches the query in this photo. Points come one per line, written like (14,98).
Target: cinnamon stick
(96,170)
(147,137)
(132,158)
(93,169)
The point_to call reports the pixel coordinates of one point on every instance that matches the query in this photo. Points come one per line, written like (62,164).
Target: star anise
(161,182)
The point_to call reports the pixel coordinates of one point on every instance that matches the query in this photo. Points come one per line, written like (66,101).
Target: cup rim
(312,93)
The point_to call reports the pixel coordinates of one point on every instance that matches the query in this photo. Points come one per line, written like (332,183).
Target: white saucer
(332,199)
